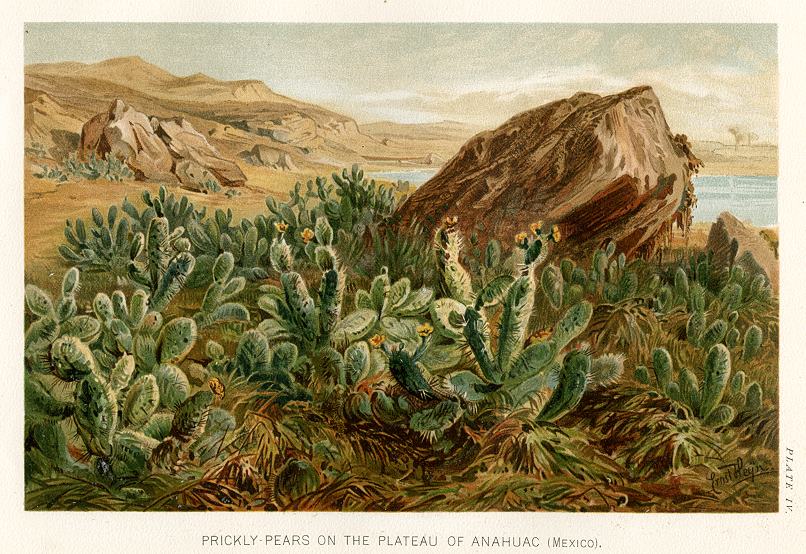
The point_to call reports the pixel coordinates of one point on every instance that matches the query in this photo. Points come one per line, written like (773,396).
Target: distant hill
(427,143)
(239,116)
(236,116)
(728,159)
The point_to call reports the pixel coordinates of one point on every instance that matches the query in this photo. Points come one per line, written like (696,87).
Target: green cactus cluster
(93,168)
(350,205)
(422,405)
(50,321)
(736,288)
(178,211)
(312,319)
(216,306)
(113,376)
(366,202)
(610,278)
(395,308)
(247,243)
(122,416)
(114,244)
(515,369)
(328,339)
(717,399)
(105,245)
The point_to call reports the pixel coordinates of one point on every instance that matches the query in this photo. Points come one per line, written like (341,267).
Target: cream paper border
(22,531)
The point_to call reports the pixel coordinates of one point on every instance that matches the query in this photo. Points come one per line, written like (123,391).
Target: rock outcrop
(159,150)
(753,252)
(50,128)
(270,157)
(186,143)
(599,167)
(127,134)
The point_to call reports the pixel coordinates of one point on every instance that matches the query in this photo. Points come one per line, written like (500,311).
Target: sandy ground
(49,204)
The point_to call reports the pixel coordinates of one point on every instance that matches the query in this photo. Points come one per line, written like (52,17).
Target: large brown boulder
(127,134)
(752,251)
(599,167)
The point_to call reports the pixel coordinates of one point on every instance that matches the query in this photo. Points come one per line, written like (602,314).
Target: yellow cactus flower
(377,340)
(451,221)
(555,233)
(281,226)
(217,387)
(536,227)
(307,235)
(425,329)
(521,239)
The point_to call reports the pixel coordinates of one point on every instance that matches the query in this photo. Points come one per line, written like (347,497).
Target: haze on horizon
(708,78)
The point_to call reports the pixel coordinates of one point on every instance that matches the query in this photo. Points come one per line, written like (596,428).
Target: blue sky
(708,77)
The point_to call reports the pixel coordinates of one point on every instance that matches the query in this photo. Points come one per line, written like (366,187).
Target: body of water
(749,198)
(753,199)
(413,176)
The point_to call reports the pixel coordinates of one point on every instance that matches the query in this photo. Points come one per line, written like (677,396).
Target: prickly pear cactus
(662,365)
(717,372)
(188,424)
(752,342)
(96,414)
(141,402)
(296,478)
(573,380)
(72,359)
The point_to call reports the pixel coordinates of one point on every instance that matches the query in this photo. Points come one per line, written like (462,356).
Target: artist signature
(730,475)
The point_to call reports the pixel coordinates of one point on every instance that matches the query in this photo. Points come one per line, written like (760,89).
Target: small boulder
(195,177)
(754,253)
(272,157)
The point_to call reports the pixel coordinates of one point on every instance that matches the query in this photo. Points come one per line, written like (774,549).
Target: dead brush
(648,434)
(239,473)
(350,493)
(628,326)
(545,450)
(758,428)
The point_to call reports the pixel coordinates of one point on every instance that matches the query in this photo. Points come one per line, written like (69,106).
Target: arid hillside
(236,116)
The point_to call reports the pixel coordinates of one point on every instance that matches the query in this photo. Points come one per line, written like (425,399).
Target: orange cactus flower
(521,239)
(536,227)
(377,340)
(281,226)
(425,329)
(217,387)
(307,235)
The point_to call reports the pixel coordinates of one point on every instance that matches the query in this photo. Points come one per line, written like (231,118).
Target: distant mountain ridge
(134,72)
(236,116)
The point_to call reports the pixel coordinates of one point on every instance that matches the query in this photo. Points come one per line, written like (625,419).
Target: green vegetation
(109,168)
(312,359)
